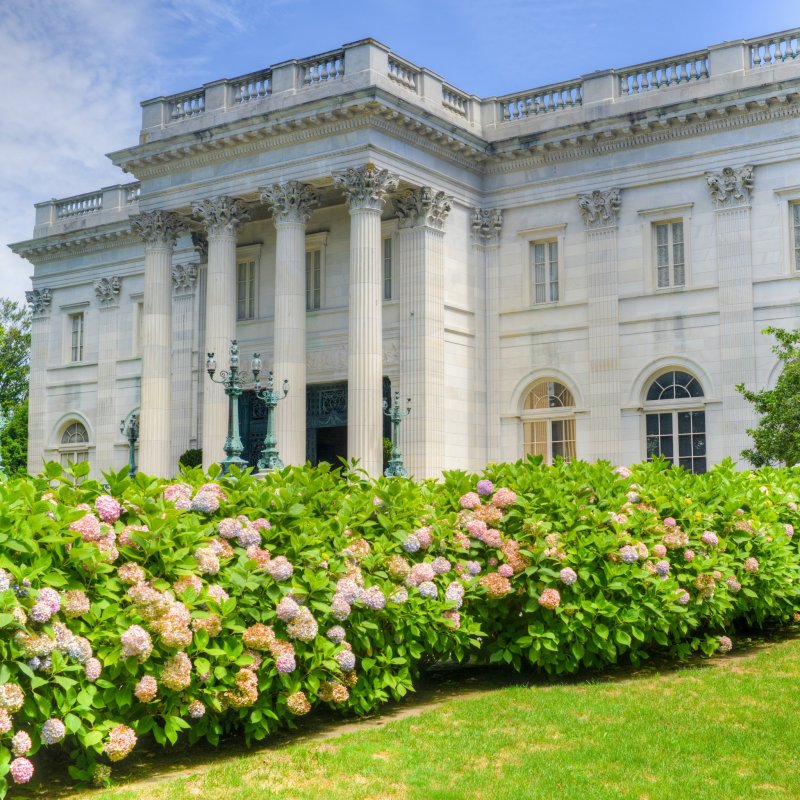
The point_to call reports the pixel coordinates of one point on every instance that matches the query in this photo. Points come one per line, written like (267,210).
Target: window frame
(66,449)
(70,312)
(549,416)
(317,242)
(543,236)
(246,255)
(675,407)
(672,262)
(651,219)
(794,235)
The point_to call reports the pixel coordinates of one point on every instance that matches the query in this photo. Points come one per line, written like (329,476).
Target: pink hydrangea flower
(505,570)
(108,508)
(725,644)
(21,770)
(92,669)
(88,526)
(470,500)
(709,538)
(669,522)
(550,598)
(121,740)
(503,498)
(568,576)
(659,550)
(21,743)
(751,565)
(623,472)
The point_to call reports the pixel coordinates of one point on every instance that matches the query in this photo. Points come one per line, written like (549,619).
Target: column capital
(184,277)
(222,215)
(486,224)
(600,208)
(424,207)
(292,201)
(366,187)
(107,291)
(731,187)
(159,228)
(39,301)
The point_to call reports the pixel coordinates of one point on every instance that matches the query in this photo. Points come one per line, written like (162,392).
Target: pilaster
(365,189)
(599,210)
(159,230)
(39,301)
(291,204)
(730,192)
(107,423)
(222,217)
(184,282)
(487,225)
(422,214)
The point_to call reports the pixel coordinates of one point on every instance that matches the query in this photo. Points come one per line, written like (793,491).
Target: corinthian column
(422,213)
(365,188)
(159,230)
(291,204)
(39,301)
(222,217)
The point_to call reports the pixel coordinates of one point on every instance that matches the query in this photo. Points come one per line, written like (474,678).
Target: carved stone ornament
(599,209)
(731,187)
(221,215)
(292,201)
(391,353)
(184,278)
(39,301)
(366,187)
(423,206)
(107,290)
(200,245)
(486,224)
(157,227)
(329,359)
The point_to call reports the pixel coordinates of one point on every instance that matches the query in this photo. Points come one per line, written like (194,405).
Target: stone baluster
(600,210)
(365,189)
(291,203)
(422,214)
(222,217)
(39,300)
(730,193)
(487,223)
(107,426)
(159,230)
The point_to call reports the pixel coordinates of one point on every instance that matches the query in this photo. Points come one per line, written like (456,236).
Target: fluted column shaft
(184,278)
(366,189)
(222,217)
(159,229)
(39,300)
(291,204)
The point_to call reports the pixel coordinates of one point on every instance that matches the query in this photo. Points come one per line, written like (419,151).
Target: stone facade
(581,269)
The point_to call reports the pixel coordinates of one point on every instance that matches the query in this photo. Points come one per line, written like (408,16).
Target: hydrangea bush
(193,608)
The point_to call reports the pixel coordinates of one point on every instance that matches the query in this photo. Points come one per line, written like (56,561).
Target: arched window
(675,420)
(74,446)
(548,421)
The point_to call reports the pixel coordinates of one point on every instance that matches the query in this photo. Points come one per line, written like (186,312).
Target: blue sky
(72,72)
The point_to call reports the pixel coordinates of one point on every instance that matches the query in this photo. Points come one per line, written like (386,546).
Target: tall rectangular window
(76,337)
(387,269)
(544,257)
(313,279)
(796,234)
(670,260)
(246,290)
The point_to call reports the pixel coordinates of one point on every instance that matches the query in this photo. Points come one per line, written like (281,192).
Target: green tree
(15,350)
(776,440)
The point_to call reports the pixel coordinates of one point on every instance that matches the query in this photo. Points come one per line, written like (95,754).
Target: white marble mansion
(582,269)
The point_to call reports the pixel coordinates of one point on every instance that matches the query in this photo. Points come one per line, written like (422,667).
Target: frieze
(731,187)
(107,290)
(423,206)
(486,224)
(329,359)
(366,187)
(600,208)
(292,201)
(39,300)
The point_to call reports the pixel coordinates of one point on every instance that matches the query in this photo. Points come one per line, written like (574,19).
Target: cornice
(660,126)
(51,248)
(189,151)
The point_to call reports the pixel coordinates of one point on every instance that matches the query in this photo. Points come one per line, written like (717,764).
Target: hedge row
(196,608)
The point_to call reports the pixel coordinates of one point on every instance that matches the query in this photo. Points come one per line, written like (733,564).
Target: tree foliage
(776,440)
(15,350)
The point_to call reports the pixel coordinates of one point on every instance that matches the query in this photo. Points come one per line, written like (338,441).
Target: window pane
(685,445)
(535,438)
(666,447)
(651,424)
(553,257)
(699,421)
(665,422)
(387,269)
(699,466)
(538,273)
(678,271)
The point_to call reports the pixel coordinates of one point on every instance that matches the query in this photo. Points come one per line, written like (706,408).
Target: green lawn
(726,728)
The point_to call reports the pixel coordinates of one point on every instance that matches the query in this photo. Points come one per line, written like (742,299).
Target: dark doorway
(332,444)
